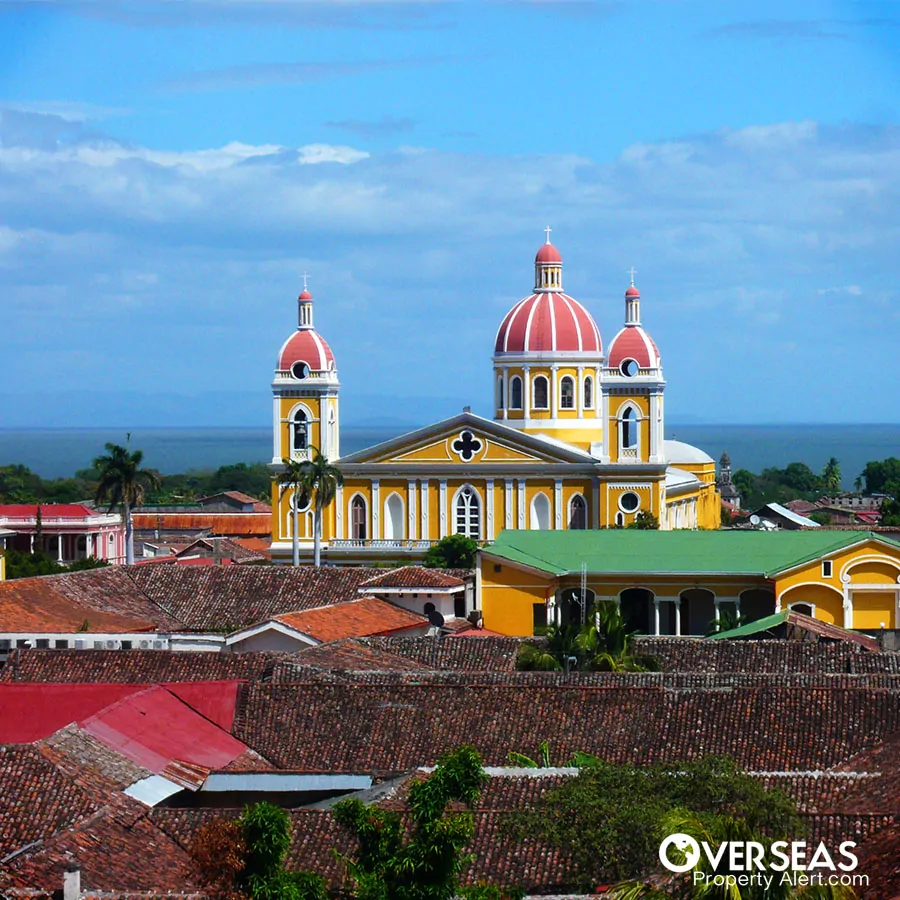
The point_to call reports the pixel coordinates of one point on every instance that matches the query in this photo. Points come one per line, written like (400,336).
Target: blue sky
(169,170)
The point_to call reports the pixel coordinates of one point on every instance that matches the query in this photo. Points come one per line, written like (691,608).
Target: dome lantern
(547,267)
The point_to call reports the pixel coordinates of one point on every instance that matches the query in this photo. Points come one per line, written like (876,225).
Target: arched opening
(577,513)
(515,393)
(636,605)
(540,513)
(628,429)
(359,519)
(757,603)
(541,393)
(620,519)
(468,513)
(588,392)
(573,606)
(805,609)
(300,432)
(698,611)
(393,518)
(500,393)
(567,393)
(826,603)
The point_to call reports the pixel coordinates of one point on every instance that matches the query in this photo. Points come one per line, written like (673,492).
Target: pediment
(466,440)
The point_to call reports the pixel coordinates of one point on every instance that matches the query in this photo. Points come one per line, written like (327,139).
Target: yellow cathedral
(576,441)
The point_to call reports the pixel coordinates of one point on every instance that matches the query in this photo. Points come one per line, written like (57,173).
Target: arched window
(541,393)
(540,513)
(620,520)
(628,429)
(358,519)
(300,428)
(578,513)
(468,513)
(588,392)
(500,392)
(515,393)
(393,518)
(567,393)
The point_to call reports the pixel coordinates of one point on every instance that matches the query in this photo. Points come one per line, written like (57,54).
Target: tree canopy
(456,551)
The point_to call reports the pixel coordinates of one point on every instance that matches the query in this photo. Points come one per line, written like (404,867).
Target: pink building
(69,531)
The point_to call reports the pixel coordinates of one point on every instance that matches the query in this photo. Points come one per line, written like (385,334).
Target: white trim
(520,502)
(533,517)
(557,504)
(423,509)
(521,395)
(473,491)
(375,509)
(508,503)
(550,297)
(630,512)
(574,393)
(534,382)
(811,606)
(411,508)
(489,509)
(569,505)
(568,301)
(365,501)
(442,486)
(534,306)
(390,518)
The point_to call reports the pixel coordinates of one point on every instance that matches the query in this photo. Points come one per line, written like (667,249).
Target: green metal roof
(754,627)
(628,551)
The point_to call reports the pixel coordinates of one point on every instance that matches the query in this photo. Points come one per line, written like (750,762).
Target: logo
(689,848)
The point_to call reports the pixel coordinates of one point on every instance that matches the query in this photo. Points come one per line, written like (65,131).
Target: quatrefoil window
(466,445)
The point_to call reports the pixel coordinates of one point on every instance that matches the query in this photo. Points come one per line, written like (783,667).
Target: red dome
(548,322)
(548,254)
(632,292)
(305,295)
(632,342)
(306,346)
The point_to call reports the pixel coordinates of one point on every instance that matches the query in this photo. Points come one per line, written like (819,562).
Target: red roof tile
(226,524)
(48,510)
(355,618)
(413,577)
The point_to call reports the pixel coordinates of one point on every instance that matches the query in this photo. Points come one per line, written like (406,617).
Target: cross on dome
(547,231)
(632,271)
(305,277)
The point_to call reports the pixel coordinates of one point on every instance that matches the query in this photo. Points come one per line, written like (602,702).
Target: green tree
(425,861)
(123,483)
(611,818)
(253,479)
(745,482)
(244,858)
(882,477)
(290,479)
(645,521)
(29,565)
(820,516)
(716,829)
(455,551)
(831,475)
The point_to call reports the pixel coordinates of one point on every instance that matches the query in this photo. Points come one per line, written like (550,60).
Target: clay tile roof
(228,524)
(356,618)
(38,800)
(136,666)
(413,577)
(347,654)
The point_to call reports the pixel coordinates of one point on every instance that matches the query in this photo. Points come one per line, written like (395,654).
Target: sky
(169,170)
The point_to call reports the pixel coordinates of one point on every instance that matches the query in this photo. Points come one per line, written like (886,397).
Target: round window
(629,368)
(302,501)
(300,370)
(629,501)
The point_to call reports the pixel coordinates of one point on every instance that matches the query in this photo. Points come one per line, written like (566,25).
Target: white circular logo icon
(687,845)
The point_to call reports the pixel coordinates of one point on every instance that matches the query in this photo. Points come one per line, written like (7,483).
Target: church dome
(308,347)
(632,342)
(548,321)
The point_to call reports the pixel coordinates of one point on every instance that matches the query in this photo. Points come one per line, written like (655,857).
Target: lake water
(57,453)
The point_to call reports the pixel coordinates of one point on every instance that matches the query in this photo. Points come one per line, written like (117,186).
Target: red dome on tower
(306,346)
(632,292)
(548,254)
(632,342)
(548,322)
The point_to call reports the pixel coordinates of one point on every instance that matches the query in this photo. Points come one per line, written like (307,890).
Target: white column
(554,391)
(607,425)
(59,548)
(655,447)
(521,502)
(656,615)
(526,391)
(276,431)
(423,509)
(848,607)
(31,543)
(598,411)
(411,509)
(339,512)
(579,392)
(376,508)
(508,503)
(489,502)
(678,617)
(505,390)
(88,546)
(558,504)
(443,506)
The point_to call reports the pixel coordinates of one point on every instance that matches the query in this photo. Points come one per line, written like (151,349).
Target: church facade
(576,440)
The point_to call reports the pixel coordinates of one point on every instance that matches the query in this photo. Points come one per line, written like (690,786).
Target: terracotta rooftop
(414,577)
(387,728)
(236,524)
(136,666)
(365,616)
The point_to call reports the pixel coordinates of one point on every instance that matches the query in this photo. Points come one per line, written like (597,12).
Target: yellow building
(576,442)
(676,583)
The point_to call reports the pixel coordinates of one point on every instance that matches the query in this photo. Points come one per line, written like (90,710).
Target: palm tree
(122,484)
(317,479)
(608,644)
(291,479)
(714,831)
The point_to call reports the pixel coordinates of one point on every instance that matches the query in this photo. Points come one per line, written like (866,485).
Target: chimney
(72,883)
(467,409)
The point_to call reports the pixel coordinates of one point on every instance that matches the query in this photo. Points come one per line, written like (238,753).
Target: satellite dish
(754,520)
(436,619)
